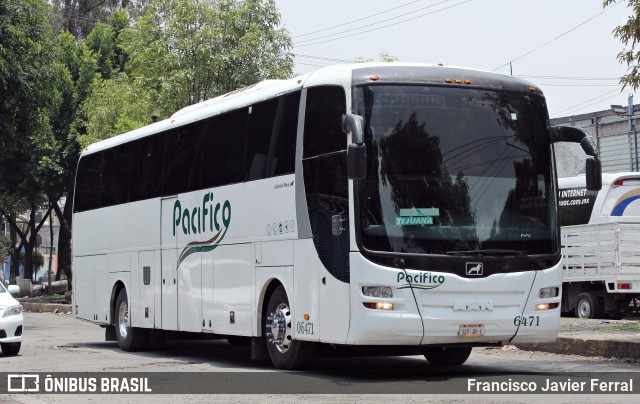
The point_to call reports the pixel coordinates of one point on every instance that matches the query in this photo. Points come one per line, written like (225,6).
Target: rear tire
(588,306)
(129,338)
(10,348)
(285,352)
(447,356)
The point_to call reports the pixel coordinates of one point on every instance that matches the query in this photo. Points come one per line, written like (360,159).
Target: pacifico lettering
(201,219)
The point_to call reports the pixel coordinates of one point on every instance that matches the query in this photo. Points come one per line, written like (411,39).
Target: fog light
(546,306)
(377,291)
(378,305)
(546,293)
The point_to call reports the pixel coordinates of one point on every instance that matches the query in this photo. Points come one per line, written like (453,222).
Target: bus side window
(261,129)
(271,140)
(223,149)
(88,183)
(323,121)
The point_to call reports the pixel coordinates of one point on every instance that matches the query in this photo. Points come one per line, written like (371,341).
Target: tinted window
(88,180)
(323,121)
(146,172)
(261,130)
(283,160)
(116,176)
(223,149)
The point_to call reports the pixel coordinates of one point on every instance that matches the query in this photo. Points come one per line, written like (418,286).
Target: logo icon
(23,382)
(474,268)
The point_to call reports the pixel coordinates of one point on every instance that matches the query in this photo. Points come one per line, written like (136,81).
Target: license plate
(471,331)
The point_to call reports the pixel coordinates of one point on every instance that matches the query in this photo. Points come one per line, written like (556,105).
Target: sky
(565,47)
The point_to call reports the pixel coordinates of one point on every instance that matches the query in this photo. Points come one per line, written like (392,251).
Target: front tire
(10,348)
(285,352)
(447,356)
(129,338)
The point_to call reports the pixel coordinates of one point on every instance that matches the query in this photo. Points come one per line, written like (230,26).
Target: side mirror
(593,171)
(356,151)
(356,161)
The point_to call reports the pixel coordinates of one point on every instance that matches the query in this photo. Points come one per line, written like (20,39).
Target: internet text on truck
(405,206)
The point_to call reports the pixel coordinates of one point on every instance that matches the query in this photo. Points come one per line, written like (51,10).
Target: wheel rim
(584,309)
(123,319)
(279,328)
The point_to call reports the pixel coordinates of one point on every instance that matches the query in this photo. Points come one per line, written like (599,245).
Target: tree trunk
(64,241)
(15,255)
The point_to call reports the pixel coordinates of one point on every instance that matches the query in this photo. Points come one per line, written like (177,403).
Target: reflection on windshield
(455,169)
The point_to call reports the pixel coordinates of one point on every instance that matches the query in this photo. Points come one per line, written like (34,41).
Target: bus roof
(343,74)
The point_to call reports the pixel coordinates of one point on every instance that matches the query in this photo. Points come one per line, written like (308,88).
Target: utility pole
(633,141)
(632,137)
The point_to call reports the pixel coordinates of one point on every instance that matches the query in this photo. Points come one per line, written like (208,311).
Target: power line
(359,19)
(529,76)
(373,23)
(558,37)
(582,104)
(384,26)
(322,58)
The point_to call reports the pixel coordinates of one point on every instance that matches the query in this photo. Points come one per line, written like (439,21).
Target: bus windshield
(455,169)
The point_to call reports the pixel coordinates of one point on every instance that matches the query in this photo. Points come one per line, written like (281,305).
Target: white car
(11,323)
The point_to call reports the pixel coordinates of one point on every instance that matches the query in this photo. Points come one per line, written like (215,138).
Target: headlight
(12,311)
(377,291)
(546,293)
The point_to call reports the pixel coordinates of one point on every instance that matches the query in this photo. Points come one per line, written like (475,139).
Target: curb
(607,346)
(46,307)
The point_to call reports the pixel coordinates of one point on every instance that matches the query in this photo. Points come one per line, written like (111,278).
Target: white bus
(400,205)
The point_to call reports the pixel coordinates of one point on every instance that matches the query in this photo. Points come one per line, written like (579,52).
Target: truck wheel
(285,352)
(10,348)
(447,356)
(588,306)
(129,338)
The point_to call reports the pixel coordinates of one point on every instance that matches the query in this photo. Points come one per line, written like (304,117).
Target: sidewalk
(604,338)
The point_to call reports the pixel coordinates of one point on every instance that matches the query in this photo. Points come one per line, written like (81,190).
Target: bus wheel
(447,356)
(129,338)
(284,351)
(588,306)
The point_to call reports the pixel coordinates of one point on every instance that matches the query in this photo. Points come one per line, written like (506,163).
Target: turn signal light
(378,305)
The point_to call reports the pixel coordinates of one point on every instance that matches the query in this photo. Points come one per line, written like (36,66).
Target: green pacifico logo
(209,218)
(423,280)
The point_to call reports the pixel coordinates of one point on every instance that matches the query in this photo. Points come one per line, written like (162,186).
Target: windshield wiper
(498,252)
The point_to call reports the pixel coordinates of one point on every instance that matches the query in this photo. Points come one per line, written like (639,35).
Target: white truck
(600,245)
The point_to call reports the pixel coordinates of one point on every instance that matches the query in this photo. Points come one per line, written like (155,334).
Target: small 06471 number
(304,327)
(526,321)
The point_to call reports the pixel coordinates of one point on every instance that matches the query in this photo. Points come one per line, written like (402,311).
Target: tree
(33,86)
(188,51)
(385,57)
(629,35)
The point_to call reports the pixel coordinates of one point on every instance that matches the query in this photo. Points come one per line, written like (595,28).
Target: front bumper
(11,329)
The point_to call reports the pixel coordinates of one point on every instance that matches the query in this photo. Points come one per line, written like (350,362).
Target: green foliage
(38,260)
(629,35)
(115,106)
(382,57)
(5,248)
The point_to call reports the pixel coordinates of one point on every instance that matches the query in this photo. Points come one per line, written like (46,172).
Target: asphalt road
(59,343)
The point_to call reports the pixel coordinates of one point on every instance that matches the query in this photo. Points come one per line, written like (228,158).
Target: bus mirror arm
(354,124)
(356,151)
(574,135)
(593,168)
